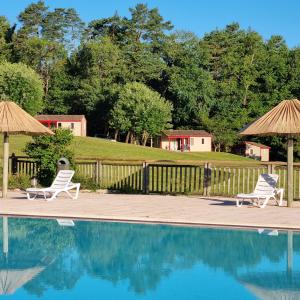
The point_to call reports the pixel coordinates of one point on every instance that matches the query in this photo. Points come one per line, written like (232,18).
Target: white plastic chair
(61,183)
(265,190)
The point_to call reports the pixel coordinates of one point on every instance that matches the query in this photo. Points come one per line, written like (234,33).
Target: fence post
(97,171)
(100,172)
(14,164)
(207,179)
(145,178)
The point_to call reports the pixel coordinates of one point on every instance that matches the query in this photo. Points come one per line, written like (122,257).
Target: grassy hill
(105,149)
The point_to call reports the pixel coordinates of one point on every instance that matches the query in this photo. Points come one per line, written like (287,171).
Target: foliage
(19,181)
(47,150)
(219,82)
(19,83)
(86,183)
(141,112)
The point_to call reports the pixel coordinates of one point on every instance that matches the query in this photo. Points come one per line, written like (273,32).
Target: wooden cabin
(257,151)
(186,140)
(76,123)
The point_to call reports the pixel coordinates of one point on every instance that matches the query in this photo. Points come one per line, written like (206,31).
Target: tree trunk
(247,85)
(127,137)
(116,134)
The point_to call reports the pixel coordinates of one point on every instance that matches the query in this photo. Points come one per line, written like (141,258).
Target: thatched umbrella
(282,120)
(14,120)
(12,279)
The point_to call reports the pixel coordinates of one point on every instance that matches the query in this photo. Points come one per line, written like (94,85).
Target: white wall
(77,131)
(197,146)
(257,152)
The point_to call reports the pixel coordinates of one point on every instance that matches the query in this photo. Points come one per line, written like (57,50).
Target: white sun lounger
(265,190)
(61,183)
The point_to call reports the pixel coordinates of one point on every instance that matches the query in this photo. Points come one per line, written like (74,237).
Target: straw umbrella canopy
(282,120)
(14,120)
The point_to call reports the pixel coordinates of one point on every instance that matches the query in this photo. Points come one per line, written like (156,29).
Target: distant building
(186,140)
(257,151)
(76,123)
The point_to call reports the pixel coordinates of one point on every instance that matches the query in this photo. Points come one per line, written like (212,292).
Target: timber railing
(223,178)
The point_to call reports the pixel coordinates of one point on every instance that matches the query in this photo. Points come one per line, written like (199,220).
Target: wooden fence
(206,178)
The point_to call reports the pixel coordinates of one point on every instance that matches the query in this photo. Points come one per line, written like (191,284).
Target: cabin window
(251,151)
(59,125)
(203,141)
(72,126)
(192,141)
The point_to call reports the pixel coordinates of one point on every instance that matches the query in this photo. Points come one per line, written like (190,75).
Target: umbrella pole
(5,164)
(290,172)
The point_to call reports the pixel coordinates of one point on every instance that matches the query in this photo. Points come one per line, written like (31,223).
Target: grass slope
(105,149)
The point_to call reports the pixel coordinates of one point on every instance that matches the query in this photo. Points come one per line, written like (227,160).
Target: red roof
(258,145)
(62,118)
(187,133)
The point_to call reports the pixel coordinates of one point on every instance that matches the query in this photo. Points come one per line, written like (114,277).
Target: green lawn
(105,149)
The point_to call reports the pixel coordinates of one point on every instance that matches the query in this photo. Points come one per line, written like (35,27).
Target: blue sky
(268,17)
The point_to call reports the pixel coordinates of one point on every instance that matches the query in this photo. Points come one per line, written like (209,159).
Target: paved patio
(154,209)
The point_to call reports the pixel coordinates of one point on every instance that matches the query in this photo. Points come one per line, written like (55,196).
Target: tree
(47,150)
(61,25)
(40,54)
(22,85)
(141,112)
(190,86)
(5,38)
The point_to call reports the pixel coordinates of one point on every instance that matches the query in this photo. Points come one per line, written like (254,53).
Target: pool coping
(160,222)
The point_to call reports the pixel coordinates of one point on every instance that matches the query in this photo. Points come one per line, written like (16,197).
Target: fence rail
(209,178)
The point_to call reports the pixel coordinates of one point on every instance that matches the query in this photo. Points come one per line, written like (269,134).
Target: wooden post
(14,164)
(100,172)
(290,172)
(269,169)
(145,178)
(97,171)
(5,164)
(207,179)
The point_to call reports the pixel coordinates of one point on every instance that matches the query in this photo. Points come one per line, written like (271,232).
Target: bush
(86,183)
(18,181)
(47,150)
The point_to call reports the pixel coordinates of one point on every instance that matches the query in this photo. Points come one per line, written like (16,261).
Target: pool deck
(182,210)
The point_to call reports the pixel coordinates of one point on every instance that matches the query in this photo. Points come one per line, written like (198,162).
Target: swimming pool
(99,260)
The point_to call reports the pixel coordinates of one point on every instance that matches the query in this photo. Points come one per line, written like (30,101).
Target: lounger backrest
(266,184)
(62,179)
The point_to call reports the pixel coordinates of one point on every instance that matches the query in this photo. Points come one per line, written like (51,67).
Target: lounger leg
(77,191)
(280,197)
(52,197)
(239,203)
(264,203)
(77,186)
(31,198)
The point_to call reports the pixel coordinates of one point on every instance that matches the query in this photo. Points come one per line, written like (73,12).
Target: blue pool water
(98,260)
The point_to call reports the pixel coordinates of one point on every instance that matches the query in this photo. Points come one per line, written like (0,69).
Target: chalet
(76,123)
(186,140)
(257,151)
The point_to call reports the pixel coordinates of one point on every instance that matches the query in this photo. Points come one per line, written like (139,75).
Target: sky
(268,17)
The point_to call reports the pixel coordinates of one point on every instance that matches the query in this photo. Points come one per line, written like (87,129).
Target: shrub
(86,183)
(19,181)
(47,150)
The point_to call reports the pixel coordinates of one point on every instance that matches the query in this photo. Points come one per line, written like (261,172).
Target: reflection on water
(118,261)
